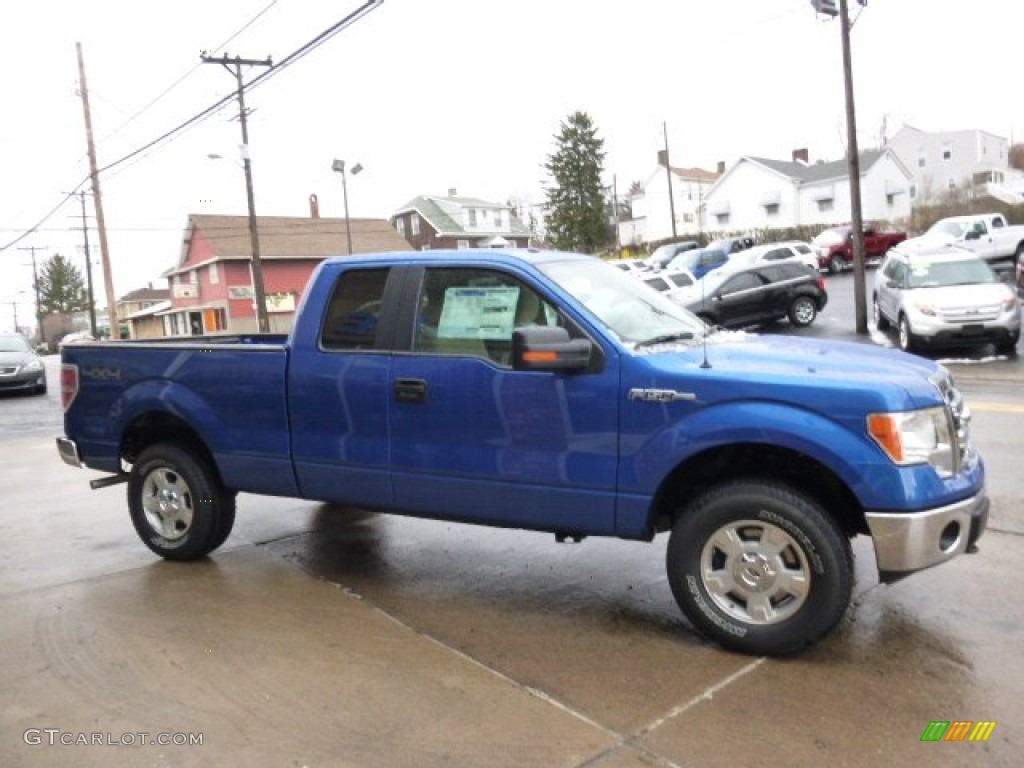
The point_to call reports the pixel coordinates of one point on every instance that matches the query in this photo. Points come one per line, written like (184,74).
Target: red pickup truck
(834,246)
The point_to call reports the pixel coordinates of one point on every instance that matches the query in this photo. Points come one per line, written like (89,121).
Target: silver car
(20,366)
(944,296)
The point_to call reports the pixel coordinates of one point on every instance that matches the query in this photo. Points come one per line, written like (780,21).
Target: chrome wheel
(802,312)
(755,572)
(168,503)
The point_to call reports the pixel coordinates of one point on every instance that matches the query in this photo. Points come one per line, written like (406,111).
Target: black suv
(733,298)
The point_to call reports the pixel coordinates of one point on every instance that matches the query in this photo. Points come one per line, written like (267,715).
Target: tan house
(138,310)
(211,288)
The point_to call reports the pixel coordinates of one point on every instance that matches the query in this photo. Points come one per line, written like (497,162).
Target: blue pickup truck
(548,391)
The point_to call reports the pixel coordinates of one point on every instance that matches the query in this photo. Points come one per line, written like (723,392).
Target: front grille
(959,415)
(970,314)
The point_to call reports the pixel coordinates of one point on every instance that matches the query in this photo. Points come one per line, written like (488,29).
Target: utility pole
(615,213)
(88,270)
(234,66)
(668,178)
(853,158)
(35,286)
(108,278)
(828,8)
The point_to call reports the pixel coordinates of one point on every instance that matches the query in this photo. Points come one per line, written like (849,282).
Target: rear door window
(351,321)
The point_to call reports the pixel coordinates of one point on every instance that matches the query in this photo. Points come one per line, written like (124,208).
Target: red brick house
(430,222)
(211,287)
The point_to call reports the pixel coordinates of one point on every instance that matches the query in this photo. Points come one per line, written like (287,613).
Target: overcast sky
(466,94)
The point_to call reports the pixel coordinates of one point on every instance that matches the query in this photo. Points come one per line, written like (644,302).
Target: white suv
(945,296)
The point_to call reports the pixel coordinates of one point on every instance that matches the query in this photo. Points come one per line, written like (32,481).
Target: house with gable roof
(680,191)
(211,289)
(429,222)
(758,192)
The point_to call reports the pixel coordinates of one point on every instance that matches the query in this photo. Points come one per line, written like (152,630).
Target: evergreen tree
(576,214)
(61,288)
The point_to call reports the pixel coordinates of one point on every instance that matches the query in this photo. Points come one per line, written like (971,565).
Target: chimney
(800,156)
(661,158)
(721,167)
(314,207)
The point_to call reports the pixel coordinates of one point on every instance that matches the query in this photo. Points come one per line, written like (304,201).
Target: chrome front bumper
(912,541)
(68,451)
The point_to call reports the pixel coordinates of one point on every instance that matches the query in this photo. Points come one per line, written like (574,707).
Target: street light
(339,166)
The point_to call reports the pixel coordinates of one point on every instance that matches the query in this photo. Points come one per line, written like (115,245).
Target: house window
(193,277)
(400,226)
(722,219)
(951,183)
(471,212)
(415,221)
(462,244)
(889,200)
(214,274)
(947,152)
(826,205)
(913,191)
(922,158)
(688,218)
(771,209)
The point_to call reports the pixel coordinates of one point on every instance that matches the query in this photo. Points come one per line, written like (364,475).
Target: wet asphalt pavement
(320,636)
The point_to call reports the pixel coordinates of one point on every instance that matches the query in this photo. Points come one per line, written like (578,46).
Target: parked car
(1020,275)
(631,265)
(665,253)
(835,246)
(944,295)
(792,250)
(700,261)
(21,369)
(987,234)
(732,244)
(733,298)
(674,283)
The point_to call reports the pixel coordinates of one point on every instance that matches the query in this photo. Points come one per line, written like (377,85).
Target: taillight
(68,384)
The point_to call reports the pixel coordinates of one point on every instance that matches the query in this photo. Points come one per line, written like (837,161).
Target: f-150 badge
(660,395)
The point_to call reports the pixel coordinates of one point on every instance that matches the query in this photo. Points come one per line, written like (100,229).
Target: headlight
(35,365)
(916,437)
(1010,304)
(923,307)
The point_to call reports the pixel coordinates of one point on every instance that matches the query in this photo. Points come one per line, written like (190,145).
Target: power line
(205,114)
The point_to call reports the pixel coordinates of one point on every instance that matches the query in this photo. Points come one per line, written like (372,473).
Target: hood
(827,375)
(985,298)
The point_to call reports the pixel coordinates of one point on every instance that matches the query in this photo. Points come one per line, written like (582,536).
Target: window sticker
(478,313)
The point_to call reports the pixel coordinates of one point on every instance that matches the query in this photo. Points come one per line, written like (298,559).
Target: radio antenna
(707,326)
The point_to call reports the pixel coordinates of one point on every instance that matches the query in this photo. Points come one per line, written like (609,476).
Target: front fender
(843,448)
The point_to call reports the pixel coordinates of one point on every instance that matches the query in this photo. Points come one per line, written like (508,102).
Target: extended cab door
(338,385)
(978,238)
(471,438)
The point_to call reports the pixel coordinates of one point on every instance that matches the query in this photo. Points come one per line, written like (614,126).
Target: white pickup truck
(987,234)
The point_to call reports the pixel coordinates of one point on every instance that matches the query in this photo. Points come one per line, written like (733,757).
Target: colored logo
(958,730)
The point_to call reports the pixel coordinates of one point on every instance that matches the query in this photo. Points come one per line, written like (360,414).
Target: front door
(472,439)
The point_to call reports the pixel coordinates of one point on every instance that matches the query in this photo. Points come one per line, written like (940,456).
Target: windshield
(925,274)
(951,228)
(13,344)
(830,237)
(634,312)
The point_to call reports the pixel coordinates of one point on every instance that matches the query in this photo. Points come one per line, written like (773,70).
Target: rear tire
(802,311)
(176,503)
(835,265)
(759,568)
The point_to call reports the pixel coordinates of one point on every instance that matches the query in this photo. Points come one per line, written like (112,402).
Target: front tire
(835,265)
(881,321)
(802,311)
(908,342)
(177,505)
(759,568)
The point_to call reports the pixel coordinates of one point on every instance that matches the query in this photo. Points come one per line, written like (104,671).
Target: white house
(940,161)
(652,209)
(758,193)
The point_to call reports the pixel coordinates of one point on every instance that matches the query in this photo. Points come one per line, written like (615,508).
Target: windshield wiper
(665,338)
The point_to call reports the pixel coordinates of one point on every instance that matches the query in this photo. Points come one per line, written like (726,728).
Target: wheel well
(159,427)
(751,460)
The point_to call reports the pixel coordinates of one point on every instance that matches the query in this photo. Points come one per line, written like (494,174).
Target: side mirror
(545,348)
